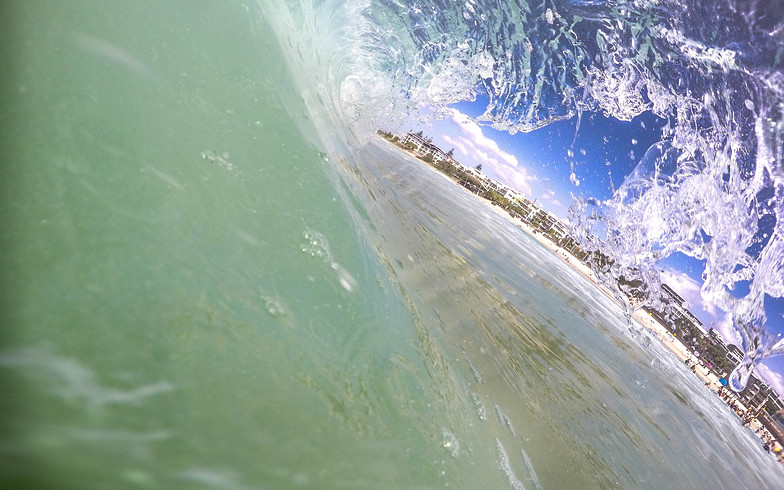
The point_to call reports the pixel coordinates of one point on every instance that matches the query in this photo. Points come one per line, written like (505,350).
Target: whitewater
(215,276)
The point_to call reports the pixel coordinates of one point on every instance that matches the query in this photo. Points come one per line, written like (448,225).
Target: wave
(711,188)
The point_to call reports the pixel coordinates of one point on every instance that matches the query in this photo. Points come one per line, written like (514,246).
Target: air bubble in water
(275,307)
(316,245)
(480,408)
(450,443)
(222,160)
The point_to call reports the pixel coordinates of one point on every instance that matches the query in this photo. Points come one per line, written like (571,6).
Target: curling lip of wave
(718,157)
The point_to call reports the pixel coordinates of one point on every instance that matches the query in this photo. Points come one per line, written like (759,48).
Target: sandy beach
(642,318)
(647,321)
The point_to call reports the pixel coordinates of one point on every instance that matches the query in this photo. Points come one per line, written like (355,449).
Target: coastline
(657,329)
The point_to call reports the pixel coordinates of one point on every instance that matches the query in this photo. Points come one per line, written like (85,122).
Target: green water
(159,310)
(197,294)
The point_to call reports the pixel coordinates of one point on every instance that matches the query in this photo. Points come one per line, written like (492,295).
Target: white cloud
(457,144)
(774,379)
(473,143)
(689,289)
(549,196)
(727,330)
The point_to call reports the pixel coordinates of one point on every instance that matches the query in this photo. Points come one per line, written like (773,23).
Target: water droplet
(548,15)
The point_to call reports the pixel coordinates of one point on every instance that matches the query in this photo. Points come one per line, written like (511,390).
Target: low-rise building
(680,308)
(734,354)
(423,146)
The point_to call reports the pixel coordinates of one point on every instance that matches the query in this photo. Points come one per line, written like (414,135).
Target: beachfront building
(414,141)
(549,225)
(512,194)
(734,354)
(714,335)
(680,309)
(776,403)
(756,394)
(423,146)
(570,245)
(480,181)
(528,209)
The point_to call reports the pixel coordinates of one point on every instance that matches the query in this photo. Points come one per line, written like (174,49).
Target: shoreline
(656,328)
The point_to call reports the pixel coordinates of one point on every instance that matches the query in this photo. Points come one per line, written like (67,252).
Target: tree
(479,167)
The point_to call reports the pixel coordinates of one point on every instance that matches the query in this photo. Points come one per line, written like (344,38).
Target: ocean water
(214,276)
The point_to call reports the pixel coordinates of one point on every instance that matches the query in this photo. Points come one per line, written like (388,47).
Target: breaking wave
(711,188)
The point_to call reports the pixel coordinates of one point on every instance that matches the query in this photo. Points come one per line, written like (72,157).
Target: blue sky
(556,162)
(541,163)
